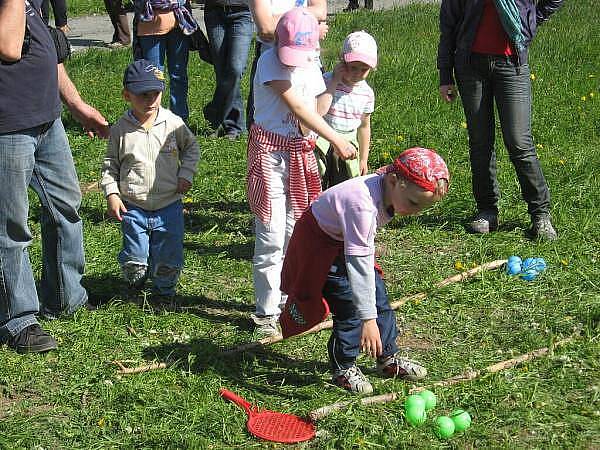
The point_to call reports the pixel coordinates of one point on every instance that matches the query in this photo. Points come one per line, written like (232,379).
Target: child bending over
(282,171)
(343,222)
(349,102)
(150,162)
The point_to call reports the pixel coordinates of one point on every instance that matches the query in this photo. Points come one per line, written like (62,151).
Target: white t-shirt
(270,111)
(349,104)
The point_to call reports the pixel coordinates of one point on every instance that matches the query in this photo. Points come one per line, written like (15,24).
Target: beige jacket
(142,166)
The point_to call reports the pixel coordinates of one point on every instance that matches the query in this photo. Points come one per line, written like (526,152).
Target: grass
(73,398)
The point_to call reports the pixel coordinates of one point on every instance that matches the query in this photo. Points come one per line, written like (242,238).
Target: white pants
(272,241)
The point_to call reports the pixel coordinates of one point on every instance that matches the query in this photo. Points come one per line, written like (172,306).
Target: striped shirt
(349,104)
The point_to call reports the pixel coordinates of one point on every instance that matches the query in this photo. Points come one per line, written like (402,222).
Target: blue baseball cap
(142,76)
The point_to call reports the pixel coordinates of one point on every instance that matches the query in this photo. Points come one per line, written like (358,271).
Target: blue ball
(514,259)
(513,268)
(528,263)
(529,275)
(540,264)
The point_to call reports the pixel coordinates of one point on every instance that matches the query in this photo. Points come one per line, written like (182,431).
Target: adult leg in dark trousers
(250,103)
(59,7)
(118,18)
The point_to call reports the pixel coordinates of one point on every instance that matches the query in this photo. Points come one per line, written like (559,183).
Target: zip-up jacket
(459,20)
(142,166)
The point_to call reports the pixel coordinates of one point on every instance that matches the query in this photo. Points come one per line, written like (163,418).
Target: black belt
(228,8)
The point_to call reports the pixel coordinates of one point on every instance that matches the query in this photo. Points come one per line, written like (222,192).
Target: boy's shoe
(542,229)
(484,222)
(265,326)
(393,367)
(32,340)
(353,380)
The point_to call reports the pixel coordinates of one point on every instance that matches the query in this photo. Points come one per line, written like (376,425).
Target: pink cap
(297,38)
(360,46)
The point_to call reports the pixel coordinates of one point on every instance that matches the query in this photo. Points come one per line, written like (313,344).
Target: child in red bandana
(343,221)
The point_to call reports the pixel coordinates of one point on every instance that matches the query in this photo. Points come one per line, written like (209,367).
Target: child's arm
(325,99)
(312,119)
(362,282)
(264,19)
(189,154)
(363,135)
(111,169)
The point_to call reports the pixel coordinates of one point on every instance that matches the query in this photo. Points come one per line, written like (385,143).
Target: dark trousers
(344,344)
(118,18)
(59,8)
(250,103)
(484,80)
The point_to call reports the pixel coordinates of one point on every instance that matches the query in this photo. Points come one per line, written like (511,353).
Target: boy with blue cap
(150,163)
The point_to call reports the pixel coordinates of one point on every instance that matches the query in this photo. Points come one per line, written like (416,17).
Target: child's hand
(364,168)
(115,207)
(323,29)
(370,341)
(344,149)
(183,185)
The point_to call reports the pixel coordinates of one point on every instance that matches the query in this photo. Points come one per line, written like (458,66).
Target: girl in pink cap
(283,178)
(343,222)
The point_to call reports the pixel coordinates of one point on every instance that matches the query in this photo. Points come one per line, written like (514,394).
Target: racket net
(280,427)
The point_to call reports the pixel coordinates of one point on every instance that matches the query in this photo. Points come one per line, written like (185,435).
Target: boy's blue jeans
(153,246)
(344,343)
(39,158)
(175,47)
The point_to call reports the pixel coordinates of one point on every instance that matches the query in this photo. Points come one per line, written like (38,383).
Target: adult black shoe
(32,340)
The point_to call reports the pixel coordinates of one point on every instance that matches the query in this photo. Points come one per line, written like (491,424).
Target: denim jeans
(230,34)
(40,158)
(344,343)
(153,246)
(496,78)
(175,47)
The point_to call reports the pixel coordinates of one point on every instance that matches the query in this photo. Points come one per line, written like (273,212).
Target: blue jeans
(175,47)
(230,32)
(153,246)
(489,79)
(344,344)
(41,158)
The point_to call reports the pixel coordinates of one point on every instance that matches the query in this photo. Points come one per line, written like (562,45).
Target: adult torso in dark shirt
(239,4)
(29,87)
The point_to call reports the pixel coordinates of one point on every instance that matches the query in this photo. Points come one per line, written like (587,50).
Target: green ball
(444,427)
(461,419)
(415,415)
(430,399)
(414,401)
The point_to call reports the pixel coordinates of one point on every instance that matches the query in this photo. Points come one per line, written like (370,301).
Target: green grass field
(73,398)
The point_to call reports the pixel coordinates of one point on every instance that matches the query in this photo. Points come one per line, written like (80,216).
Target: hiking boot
(392,367)
(542,229)
(353,380)
(32,340)
(484,222)
(266,326)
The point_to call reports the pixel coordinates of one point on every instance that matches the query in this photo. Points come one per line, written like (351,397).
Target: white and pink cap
(297,38)
(360,46)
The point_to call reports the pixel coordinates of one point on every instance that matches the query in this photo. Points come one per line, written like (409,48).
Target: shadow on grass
(233,251)
(228,217)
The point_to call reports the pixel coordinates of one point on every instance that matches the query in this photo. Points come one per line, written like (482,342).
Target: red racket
(271,425)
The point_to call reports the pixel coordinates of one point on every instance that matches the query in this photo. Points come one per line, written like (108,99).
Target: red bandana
(421,166)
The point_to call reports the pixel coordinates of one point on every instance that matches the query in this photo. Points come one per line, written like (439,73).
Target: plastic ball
(528,263)
(514,259)
(430,399)
(529,275)
(540,264)
(444,427)
(415,416)
(461,419)
(513,268)
(414,401)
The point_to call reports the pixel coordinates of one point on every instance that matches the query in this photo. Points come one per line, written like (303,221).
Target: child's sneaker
(353,380)
(265,326)
(393,366)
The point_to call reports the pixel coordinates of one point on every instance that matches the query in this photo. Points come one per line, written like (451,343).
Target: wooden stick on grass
(468,375)
(123,370)
(395,305)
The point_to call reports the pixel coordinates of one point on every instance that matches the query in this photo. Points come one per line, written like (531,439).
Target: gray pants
(481,82)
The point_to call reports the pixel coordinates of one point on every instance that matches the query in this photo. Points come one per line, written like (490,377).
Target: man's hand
(370,341)
(115,207)
(183,185)
(92,121)
(448,92)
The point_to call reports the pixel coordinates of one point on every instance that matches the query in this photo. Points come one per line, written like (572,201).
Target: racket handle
(228,395)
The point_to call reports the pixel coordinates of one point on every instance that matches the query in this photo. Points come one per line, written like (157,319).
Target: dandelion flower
(561,161)
(532,76)
(583,98)
(591,95)
(188,200)
(400,138)
(539,145)
(564,262)
(458,265)
(463,124)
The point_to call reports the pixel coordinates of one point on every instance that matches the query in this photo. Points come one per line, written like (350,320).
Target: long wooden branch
(395,305)
(123,370)
(468,375)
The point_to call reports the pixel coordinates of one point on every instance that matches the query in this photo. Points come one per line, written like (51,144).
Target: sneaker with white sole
(484,222)
(392,367)
(266,326)
(542,229)
(353,380)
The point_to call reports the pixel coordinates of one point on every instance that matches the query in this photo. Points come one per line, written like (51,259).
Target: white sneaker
(393,366)
(353,380)
(266,326)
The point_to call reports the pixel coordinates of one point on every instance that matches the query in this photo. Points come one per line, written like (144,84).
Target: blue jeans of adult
(39,158)
(229,31)
(175,47)
(153,246)
(344,344)
(485,80)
